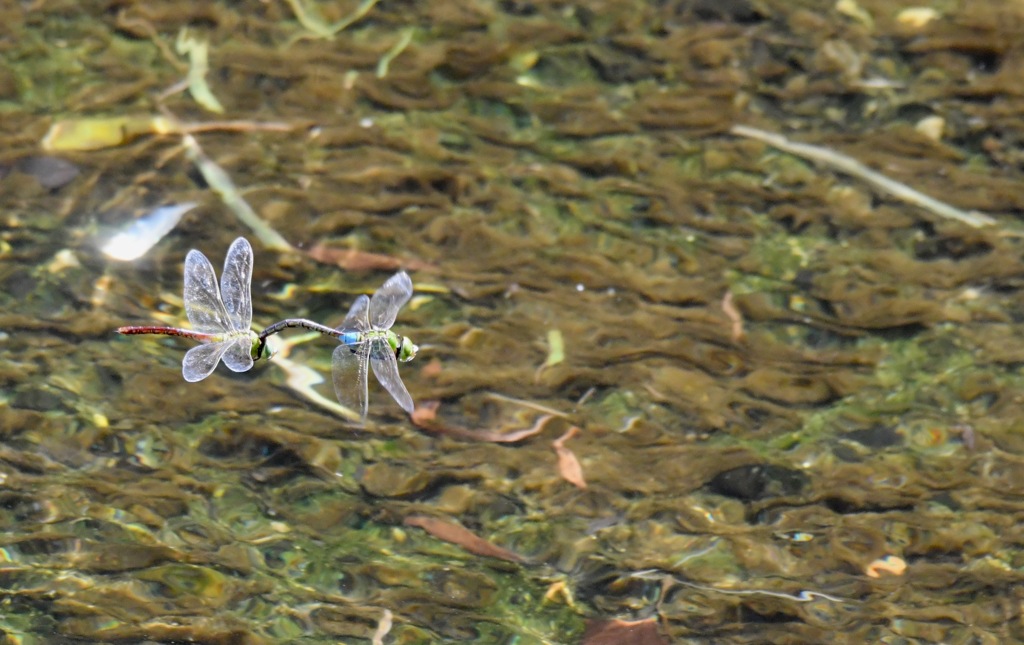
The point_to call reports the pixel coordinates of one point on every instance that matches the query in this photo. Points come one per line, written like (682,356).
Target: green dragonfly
(221,317)
(367,342)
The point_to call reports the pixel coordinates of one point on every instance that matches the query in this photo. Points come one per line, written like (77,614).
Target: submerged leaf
(96,133)
(102,132)
(425,418)
(460,535)
(623,632)
(356,260)
(425,413)
(556,352)
(556,348)
(568,464)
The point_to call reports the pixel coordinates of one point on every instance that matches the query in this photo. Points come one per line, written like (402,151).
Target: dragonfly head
(260,348)
(406,349)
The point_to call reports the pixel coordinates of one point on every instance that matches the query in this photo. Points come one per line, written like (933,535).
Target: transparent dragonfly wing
(348,370)
(388,300)
(357,318)
(236,284)
(385,368)
(200,361)
(203,305)
(238,356)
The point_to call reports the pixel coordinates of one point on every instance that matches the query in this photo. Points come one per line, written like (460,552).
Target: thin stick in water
(851,166)
(527,404)
(221,184)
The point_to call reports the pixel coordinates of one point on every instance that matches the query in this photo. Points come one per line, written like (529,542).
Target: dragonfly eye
(407,350)
(260,349)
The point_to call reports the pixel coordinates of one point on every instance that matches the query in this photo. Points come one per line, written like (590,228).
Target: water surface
(785,383)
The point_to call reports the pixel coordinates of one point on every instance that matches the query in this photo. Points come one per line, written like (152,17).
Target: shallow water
(786,384)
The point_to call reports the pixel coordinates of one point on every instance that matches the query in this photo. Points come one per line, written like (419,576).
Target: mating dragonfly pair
(221,318)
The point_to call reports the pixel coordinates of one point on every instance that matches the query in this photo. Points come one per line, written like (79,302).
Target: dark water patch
(757,482)
(50,172)
(876,437)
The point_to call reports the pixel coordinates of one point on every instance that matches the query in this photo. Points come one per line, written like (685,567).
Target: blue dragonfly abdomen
(351,337)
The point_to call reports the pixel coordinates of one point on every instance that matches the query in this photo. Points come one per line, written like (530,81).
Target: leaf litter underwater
(674,385)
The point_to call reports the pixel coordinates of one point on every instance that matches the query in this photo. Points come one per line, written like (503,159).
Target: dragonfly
(367,342)
(221,316)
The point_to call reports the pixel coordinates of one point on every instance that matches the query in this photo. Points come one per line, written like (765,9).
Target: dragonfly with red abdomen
(221,316)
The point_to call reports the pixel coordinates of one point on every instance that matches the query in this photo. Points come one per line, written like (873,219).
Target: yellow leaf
(102,132)
(556,348)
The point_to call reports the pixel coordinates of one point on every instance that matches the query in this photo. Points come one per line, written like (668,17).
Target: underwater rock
(758,481)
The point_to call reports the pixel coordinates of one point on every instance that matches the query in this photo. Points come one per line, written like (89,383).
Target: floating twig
(805,595)
(526,404)
(851,166)
(385,62)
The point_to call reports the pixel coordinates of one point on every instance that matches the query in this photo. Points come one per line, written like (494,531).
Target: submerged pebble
(50,172)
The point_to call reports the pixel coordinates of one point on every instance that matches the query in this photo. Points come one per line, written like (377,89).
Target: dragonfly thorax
(402,346)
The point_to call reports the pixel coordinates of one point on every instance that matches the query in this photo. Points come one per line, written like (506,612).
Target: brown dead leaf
(889,564)
(568,465)
(432,369)
(356,260)
(425,418)
(425,414)
(622,632)
(461,536)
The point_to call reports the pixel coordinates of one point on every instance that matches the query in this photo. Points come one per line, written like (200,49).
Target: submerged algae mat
(786,386)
